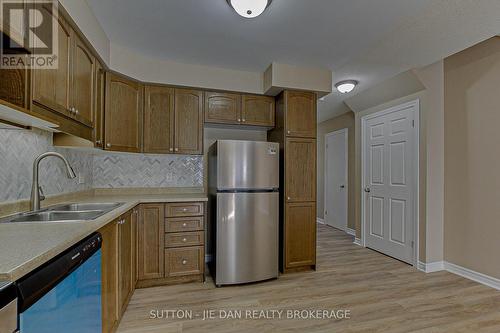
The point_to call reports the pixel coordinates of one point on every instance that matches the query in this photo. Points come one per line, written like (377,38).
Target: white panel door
(336,179)
(390,160)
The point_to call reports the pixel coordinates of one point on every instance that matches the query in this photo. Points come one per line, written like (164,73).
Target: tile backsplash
(19,148)
(139,170)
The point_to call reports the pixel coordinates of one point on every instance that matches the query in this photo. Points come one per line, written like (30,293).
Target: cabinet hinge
(413,123)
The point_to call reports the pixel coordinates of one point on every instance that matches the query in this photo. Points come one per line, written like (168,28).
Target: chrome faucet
(36,189)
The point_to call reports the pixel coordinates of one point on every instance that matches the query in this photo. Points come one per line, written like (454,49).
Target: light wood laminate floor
(383,295)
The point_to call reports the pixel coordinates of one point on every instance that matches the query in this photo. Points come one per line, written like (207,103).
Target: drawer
(184,261)
(181,224)
(180,209)
(181,239)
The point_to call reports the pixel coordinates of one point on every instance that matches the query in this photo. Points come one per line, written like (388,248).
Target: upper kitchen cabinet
(188,121)
(51,88)
(100,84)
(82,89)
(14,86)
(301,114)
(257,110)
(123,114)
(237,109)
(222,108)
(158,120)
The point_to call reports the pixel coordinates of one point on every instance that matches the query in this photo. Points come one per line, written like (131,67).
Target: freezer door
(247,237)
(247,165)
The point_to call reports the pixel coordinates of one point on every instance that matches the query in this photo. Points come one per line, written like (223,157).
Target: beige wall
(344,121)
(472,158)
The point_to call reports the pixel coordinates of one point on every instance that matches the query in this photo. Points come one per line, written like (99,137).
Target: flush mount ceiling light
(346,86)
(249,8)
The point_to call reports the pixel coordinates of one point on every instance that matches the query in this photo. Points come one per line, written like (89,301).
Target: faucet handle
(42,195)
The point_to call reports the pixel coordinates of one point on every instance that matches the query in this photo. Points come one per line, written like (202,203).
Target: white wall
(85,19)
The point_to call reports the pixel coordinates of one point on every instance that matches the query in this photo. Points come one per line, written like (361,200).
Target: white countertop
(26,246)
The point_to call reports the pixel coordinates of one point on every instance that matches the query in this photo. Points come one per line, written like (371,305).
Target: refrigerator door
(247,237)
(247,165)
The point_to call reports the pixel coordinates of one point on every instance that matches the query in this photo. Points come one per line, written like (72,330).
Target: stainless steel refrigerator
(243,179)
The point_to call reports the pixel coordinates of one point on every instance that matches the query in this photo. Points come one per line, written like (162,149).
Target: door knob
(367,190)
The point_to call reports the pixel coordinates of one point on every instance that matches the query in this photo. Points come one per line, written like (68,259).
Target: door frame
(416,190)
(346,137)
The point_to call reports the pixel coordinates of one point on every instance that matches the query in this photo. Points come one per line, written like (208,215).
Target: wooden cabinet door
(158,120)
(222,108)
(123,114)
(300,114)
(150,241)
(258,110)
(51,87)
(82,88)
(99,106)
(125,261)
(188,121)
(300,234)
(135,222)
(109,267)
(300,170)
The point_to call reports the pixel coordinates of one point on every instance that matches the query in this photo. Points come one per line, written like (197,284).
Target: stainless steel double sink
(73,212)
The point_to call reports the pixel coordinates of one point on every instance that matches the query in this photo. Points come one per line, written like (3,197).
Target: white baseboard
(461,271)
(357,241)
(430,267)
(350,231)
(473,275)
(320,220)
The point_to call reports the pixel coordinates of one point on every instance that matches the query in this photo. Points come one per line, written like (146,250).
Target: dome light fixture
(249,8)
(346,86)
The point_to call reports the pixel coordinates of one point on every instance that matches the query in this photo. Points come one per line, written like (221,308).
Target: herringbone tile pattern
(138,170)
(19,148)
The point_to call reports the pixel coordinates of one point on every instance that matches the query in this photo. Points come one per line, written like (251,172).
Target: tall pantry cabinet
(296,132)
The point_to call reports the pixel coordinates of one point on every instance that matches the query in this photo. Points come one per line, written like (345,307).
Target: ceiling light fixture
(249,8)
(346,86)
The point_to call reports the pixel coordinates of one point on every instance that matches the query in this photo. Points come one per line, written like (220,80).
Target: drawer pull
(184,261)
(184,224)
(184,209)
(184,240)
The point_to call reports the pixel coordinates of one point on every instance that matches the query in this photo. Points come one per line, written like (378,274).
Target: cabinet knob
(108,145)
(184,261)
(288,132)
(239,119)
(98,142)
(176,149)
(184,240)
(184,209)
(184,225)
(76,111)
(288,198)
(243,120)
(171,149)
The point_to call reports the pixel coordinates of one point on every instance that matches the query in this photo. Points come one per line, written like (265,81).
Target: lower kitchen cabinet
(171,240)
(125,261)
(109,300)
(150,235)
(118,269)
(300,235)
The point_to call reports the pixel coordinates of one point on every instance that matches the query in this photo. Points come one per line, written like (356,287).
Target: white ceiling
(367,40)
